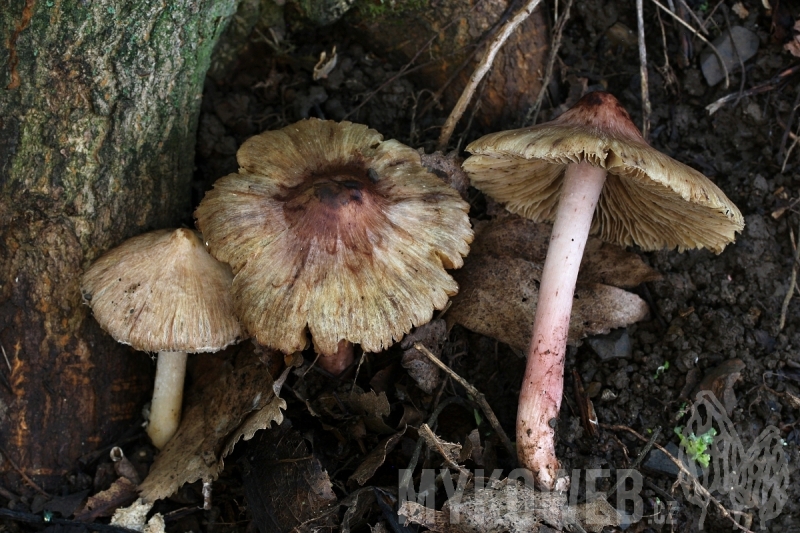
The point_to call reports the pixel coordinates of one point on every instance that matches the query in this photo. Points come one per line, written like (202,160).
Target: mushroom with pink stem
(332,231)
(588,171)
(163,292)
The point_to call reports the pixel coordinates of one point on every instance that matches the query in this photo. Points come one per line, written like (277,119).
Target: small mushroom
(163,292)
(333,231)
(589,171)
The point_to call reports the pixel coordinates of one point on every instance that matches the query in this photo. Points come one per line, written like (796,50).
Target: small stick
(475,393)
(758,89)
(412,465)
(638,460)
(481,70)
(23,475)
(558,30)
(643,69)
(792,280)
(736,52)
(696,484)
(699,36)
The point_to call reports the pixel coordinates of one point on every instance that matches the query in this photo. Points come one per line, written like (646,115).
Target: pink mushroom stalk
(588,171)
(543,383)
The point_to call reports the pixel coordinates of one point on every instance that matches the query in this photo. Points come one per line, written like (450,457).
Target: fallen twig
(476,394)
(695,483)
(22,474)
(412,464)
(639,458)
(699,36)
(555,46)
(736,52)
(793,279)
(758,89)
(481,70)
(643,69)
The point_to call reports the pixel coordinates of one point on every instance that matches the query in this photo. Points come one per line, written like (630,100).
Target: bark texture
(98,109)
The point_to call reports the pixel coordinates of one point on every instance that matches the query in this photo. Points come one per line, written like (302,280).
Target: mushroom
(163,292)
(332,231)
(588,171)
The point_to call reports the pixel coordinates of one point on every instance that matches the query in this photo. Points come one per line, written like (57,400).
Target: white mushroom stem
(165,408)
(542,387)
(339,362)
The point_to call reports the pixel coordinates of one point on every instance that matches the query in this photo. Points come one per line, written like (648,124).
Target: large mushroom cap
(331,230)
(648,199)
(162,291)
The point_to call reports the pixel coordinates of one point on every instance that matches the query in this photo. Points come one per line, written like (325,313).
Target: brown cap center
(336,209)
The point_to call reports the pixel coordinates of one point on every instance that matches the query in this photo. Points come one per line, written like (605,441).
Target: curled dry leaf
(241,400)
(106,502)
(510,506)
(498,299)
(514,236)
(793,46)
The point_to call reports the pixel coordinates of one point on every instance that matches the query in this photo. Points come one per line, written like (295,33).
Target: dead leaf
(105,503)
(510,506)
(371,407)
(793,46)
(432,335)
(375,459)
(472,448)
(740,10)
(498,297)
(285,485)
(325,65)
(135,517)
(240,401)
(720,380)
(513,236)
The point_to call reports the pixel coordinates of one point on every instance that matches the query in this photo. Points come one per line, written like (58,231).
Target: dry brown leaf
(241,400)
(104,503)
(793,46)
(375,459)
(513,236)
(510,506)
(498,299)
(372,407)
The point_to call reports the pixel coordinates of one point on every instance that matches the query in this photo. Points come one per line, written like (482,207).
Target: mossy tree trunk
(98,109)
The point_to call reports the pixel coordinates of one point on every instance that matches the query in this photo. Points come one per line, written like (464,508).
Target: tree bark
(98,109)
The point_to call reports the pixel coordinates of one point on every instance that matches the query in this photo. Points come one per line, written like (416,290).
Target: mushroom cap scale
(162,291)
(331,230)
(648,199)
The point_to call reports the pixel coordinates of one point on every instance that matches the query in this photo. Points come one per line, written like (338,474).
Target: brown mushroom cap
(648,199)
(332,230)
(162,291)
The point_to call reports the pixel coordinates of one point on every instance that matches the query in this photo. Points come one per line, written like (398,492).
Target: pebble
(615,345)
(746,45)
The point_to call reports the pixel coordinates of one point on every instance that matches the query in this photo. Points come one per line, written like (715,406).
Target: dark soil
(706,311)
